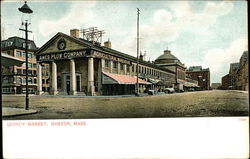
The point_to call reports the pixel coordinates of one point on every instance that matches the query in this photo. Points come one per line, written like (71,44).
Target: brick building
(14,79)
(237,78)
(242,80)
(201,75)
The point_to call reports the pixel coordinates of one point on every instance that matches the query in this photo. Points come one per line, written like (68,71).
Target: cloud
(79,14)
(218,60)
(169,23)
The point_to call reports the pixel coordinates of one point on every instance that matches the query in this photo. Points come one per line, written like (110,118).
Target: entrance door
(78,83)
(68,86)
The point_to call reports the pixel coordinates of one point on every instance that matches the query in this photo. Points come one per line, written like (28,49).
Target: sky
(211,34)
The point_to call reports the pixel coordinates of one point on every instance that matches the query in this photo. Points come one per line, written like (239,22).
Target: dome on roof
(167,57)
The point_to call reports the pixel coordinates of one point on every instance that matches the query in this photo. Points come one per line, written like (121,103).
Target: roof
(234,66)
(8,60)
(197,69)
(125,79)
(167,56)
(106,50)
(17,42)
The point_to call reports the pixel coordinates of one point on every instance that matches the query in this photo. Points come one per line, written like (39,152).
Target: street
(214,103)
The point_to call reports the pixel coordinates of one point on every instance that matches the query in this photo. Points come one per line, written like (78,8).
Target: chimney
(107,44)
(141,57)
(75,33)
(167,52)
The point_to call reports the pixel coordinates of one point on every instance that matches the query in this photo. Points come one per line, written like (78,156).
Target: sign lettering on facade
(110,57)
(62,55)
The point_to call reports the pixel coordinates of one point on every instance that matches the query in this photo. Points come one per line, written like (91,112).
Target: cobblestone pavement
(188,104)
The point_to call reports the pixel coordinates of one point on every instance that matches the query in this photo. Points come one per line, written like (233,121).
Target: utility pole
(25,9)
(137,64)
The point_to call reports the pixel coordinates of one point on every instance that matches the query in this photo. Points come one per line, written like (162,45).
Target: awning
(111,78)
(8,60)
(153,81)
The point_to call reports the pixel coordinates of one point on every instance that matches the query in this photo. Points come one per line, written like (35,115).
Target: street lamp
(26,10)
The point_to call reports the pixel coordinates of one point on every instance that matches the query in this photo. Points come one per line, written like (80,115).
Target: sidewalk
(8,112)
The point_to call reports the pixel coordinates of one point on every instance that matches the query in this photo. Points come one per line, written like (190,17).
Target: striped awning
(111,78)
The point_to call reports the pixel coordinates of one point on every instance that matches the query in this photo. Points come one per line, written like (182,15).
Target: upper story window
(29,55)
(127,67)
(29,45)
(18,53)
(121,66)
(106,63)
(29,64)
(114,64)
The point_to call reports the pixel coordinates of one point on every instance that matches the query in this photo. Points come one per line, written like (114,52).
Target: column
(39,79)
(91,88)
(110,66)
(72,77)
(54,79)
(118,67)
(125,68)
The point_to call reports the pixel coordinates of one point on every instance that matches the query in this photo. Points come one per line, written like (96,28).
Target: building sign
(110,57)
(61,55)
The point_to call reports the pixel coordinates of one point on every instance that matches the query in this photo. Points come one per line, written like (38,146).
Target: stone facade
(77,66)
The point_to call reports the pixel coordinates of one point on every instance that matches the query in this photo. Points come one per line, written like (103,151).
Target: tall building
(13,77)
(82,66)
(201,75)
(242,80)
(237,78)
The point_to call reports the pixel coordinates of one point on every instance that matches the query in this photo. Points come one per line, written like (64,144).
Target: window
(127,68)
(35,80)
(24,80)
(29,72)
(140,69)
(29,65)
(29,55)
(18,53)
(19,80)
(23,54)
(30,80)
(114,64)
(121,66)
(106,63)
(34,72)
(133,68)
(34,65)
(19,71)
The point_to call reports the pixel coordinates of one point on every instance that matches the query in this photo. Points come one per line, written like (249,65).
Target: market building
(169,61)
(201,75)
(81,66)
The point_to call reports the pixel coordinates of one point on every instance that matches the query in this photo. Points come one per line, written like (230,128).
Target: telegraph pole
(137,63)
(25,9)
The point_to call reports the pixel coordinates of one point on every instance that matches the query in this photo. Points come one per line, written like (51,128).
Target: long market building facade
(79,66)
